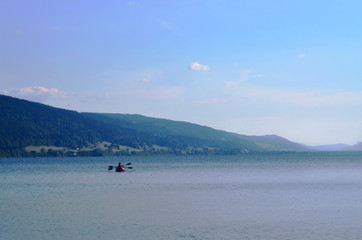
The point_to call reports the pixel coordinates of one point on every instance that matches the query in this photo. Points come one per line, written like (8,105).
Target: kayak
(120,169)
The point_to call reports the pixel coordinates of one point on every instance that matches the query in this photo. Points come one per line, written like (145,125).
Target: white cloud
(259,75)
(38,93)
(302,55)
(198,67)
(40,90)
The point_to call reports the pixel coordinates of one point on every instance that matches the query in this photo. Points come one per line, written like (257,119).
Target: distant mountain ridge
(355,147)
(27,127)
(331,147)
(335,147)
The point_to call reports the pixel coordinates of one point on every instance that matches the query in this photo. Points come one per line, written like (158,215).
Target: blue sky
(291,68)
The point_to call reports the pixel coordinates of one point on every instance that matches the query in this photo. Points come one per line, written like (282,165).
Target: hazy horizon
(250,67)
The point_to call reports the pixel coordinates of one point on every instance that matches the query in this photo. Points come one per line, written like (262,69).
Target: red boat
(120,169)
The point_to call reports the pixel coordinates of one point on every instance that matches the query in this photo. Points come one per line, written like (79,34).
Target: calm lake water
(288,196)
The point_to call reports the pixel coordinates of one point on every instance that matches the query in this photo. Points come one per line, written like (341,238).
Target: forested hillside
(218,138)
(166,128)
(28,127)
(25,123)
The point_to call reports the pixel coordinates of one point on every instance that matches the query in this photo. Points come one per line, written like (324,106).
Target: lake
(277,196)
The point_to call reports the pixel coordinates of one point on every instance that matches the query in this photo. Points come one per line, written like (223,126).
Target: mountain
(24,123)
(331,147)
(273,143)
(218,138)
(335,147)
(356,147)
(28,127)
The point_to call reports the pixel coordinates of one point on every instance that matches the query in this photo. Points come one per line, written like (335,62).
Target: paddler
(120,168)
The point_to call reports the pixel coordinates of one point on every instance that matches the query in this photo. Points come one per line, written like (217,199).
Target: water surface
(286,196)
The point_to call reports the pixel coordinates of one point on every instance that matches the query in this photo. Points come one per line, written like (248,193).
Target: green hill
(24,123)
(273,143)
(201,135)
(34,129)
(222,139)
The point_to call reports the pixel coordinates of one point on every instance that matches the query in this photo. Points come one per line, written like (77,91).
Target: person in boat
(120,168)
